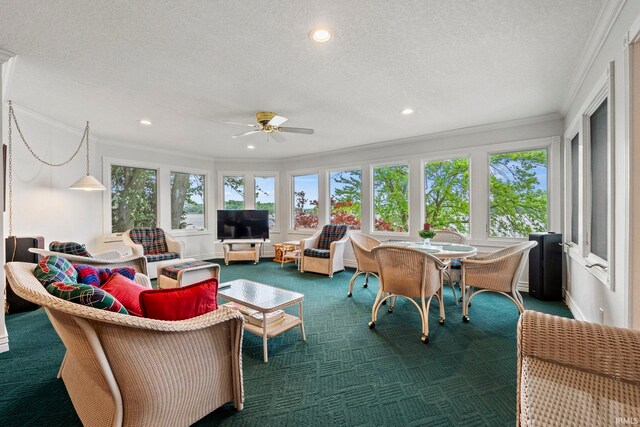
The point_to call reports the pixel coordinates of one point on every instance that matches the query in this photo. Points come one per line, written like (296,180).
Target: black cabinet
(545,266)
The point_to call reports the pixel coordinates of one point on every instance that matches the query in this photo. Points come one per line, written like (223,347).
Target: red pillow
(126,291)
(180,303)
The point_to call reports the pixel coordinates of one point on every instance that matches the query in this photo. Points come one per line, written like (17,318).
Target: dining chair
(449,236)
(367,264)
(494,272)
(411,274)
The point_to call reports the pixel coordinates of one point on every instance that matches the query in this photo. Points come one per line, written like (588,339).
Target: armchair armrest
(338,245)
(136,249)
(310,242)
(112,254)
(174,245)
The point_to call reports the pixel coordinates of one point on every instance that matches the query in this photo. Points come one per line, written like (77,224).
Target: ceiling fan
(269,123)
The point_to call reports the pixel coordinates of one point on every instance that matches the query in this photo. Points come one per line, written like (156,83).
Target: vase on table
(426,243)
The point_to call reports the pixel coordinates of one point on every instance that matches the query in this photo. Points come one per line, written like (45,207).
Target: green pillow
(88,295)
(54,268)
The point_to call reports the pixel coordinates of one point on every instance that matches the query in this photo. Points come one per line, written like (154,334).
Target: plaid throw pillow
(90,275)
(152,240)
(88,295)
(69,248)
(54,268)
(331,233)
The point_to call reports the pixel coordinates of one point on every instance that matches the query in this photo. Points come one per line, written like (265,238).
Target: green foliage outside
(234,185)
(391,198)
(446,195)
(184,187)
(518,198)
(133,198)
(346,198)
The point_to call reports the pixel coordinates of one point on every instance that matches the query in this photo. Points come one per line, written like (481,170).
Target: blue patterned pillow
(90,275)
(54,268)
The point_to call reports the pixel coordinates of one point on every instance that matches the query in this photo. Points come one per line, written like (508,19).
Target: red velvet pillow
(126,291)
(180,303)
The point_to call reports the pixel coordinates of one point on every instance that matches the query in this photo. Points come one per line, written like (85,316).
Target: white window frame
(221,175)
(321,202)
(423,185)
(568,190)
(276,195)
(372,217)
(328,173)
(205,197)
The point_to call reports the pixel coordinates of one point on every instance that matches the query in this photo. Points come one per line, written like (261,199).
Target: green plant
(427,234)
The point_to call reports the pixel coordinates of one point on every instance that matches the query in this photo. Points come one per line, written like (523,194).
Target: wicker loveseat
(155,245)
(122,370)
(573,373)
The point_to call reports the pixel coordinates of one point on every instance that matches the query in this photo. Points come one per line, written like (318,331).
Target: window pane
(233,192)
(575,189)
(305,201)
(266,196)
(133,198)
(391,198)
(599,182)
(346,197)
(187,201)
(518,193)
(446,196)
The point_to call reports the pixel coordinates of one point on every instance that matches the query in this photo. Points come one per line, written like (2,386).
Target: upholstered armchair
(123,370)
(323,252)
(155,245)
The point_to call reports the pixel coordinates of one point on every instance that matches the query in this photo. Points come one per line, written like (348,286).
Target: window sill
(187,233)
(306,231)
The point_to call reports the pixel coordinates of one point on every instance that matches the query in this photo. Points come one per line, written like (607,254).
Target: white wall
(587,295)
(4,336)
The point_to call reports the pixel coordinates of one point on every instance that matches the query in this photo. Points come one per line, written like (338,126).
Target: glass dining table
(441,250)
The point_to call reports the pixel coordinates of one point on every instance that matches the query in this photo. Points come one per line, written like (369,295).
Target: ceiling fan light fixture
(320,35)
(406,111)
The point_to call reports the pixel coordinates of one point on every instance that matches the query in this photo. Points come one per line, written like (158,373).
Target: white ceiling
(189,65)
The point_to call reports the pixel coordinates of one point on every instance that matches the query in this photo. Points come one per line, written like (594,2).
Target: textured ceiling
(189,65)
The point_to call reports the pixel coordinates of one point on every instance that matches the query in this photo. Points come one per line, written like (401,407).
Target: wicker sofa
(574,373)
(122,370)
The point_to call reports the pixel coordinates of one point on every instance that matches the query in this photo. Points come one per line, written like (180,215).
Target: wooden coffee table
(265,299)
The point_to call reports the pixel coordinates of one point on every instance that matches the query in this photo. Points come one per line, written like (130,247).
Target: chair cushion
(180,303)
(126,291)
(317,253)
(88,295)
(69,248)
(173,269)
(162,257)
(331,233)
(455,264)
(152,240)
(90,275)
(54,268)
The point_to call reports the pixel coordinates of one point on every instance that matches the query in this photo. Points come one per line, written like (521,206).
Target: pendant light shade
(87,183)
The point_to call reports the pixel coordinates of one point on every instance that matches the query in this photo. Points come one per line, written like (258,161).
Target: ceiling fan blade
(277,137)
(245,134)
(240,124)
(277,121)
(297,130)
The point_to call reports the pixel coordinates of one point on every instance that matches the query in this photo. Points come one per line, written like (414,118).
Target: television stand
(249,249)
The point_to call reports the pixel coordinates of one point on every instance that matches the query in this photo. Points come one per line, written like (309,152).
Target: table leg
(304,337)
(264,338)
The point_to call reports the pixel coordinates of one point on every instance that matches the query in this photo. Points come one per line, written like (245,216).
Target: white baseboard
(573,307)
(4,343)
(523,286)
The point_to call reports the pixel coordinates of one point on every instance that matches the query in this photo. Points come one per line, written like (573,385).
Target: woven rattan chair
(367,264)
(123,370)
(155,244)
(411,274)
(323,252)
(573,373)
(494,272)
(453,269)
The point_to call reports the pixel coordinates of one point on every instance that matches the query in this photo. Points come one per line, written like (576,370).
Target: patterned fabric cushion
(331,233)
(173,269)
(69,248)
(162,257)
(88,295)
(90,275)
(317,253)
(151,239)
(54,268)
(455,263)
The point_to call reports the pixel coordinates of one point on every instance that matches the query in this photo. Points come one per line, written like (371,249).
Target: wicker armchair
(323,252)
(453,269)
(73,248)
(573,373)
(126,370)
(367,264)
(155,245)
(495,272)
(411,274)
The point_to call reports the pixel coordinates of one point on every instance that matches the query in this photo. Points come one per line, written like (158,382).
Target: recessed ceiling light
(145,122)
(320,35)
(407,111)
(251,147)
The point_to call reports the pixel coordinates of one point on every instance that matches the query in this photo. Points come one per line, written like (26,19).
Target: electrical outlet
(601,316)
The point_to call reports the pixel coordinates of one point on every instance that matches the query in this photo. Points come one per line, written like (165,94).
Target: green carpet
(344,375)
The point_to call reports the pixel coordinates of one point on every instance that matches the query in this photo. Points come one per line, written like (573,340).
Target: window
(187,201)
(391,198)
(575,189)
(134,201)
(233,192)
(517,193)
(446,194)
(599,181)
(265,191)
(346,197)
(305,201)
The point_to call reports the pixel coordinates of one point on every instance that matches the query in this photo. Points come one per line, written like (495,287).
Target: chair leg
(465,306)
(424,312)
(353,279)
(366,280)
(374,309)
(441,304)
(517,298)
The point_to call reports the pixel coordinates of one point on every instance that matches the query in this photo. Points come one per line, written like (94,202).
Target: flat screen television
(243,224)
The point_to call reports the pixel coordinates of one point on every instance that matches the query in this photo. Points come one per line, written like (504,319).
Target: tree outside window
(265,192)
(446,197)
(305,201)
(391,198)
(346,198)
(518,193)
(133,198)
(233,192)
(187,201)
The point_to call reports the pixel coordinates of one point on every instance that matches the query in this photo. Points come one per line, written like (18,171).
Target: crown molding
(6,55)
(607,16)
(433,136)
(7,74)
(183,154)
(277,160)
(48,120)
